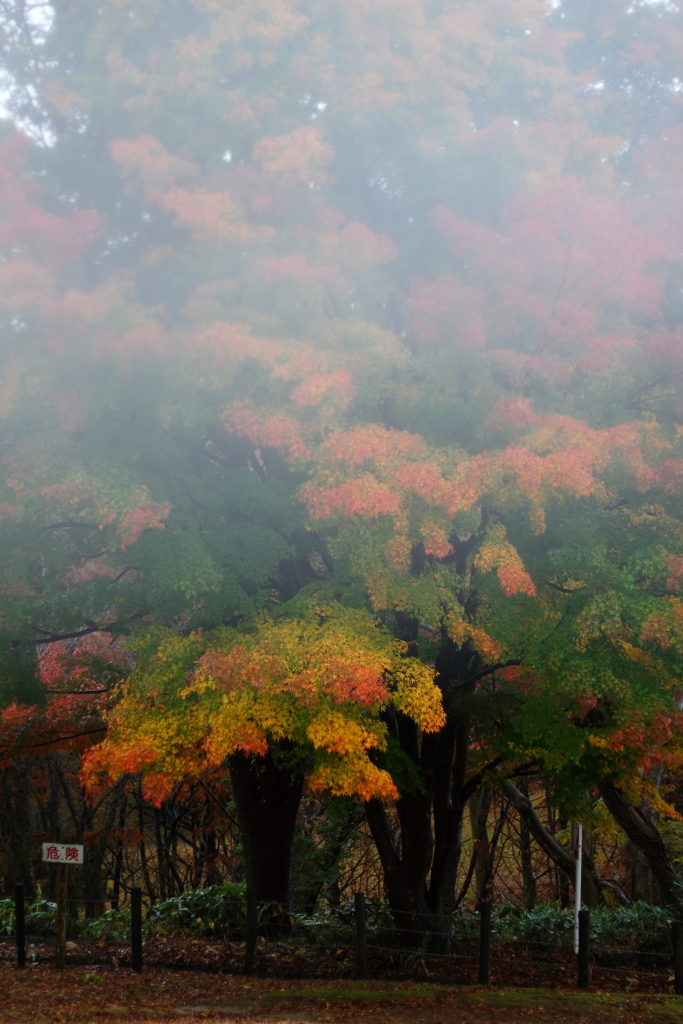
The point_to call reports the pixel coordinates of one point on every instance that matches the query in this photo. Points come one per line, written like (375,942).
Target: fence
(366,941)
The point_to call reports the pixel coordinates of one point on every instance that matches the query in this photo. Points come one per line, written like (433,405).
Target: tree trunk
(431,814)
(267,795)
(646,838)
(528,880)
(479,812)
(118,852)
(590,887)
(405,874)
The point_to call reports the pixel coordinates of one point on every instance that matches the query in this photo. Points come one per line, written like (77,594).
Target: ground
(42,995)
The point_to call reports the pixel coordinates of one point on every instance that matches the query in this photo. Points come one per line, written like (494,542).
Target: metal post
(584,948)
(361,938)
(485,943)
(60,939)
(136,928)
(578,857)
(250,944)
(678,957)
(20,924)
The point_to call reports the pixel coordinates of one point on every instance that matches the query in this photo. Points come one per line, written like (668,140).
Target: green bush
(111,926)
(216,910)
(39,916)
(640,926)
(220,910)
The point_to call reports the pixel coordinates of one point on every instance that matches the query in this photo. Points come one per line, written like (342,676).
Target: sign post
(577,850)
(61,854)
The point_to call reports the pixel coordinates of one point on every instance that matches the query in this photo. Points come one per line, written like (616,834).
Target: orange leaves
(356,244)
(232,343)
(363,497)
(665,627)
(317,682)
(575,456)
(270,431)
(145,162)
(435,538)
(149,516)
(461,631)
(338,386)
(297,158)
(211,216)
(352,775)
(357,683)
(169,181)
(497,553)
(374,444)
(76,689)
(28,230)
(334,733)
(561,260)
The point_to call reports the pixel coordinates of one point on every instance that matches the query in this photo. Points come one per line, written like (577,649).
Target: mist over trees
(341,359)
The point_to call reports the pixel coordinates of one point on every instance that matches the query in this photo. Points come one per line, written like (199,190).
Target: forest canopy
(341,352)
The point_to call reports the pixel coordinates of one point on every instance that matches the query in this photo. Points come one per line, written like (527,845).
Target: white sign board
(62,853)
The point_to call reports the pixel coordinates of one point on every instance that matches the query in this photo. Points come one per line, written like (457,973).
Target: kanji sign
(62,853)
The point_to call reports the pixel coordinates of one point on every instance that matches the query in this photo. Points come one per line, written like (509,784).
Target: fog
(366,309)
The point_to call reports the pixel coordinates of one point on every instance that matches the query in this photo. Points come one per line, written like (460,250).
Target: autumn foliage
(341,377)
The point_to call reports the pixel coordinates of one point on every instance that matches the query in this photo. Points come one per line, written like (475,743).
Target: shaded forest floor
(42,995)
(193,981)
(513,964)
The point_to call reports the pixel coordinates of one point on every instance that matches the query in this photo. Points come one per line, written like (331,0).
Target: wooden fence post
(485,943)
(361,938)
(250,944)
(20,924)
(678,957)
(136,928)
(60,938)
(584,948)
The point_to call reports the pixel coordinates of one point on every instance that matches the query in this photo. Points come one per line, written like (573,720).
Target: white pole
(578,855)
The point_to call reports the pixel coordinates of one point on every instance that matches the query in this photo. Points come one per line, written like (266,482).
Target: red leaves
(363,497)
(497,553)
(360,684)
(28,230)
(560,259)
(297,158)
(674,568)
(274,431)
(146,162)
(338,386)
(372,443)
(149,516)
(69,720)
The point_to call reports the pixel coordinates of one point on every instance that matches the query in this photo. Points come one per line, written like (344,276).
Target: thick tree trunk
(590,887)
(431,818)
(267,795)
(646,838)
(405,874)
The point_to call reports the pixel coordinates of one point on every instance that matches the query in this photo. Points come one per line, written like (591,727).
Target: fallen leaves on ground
(42,995)
(523,964)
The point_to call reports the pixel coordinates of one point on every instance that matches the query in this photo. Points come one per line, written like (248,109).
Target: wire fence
(362,939)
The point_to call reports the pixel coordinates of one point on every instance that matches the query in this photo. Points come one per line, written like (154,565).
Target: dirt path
(42,995)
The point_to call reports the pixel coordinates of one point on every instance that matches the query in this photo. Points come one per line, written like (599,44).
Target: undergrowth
(220,911)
